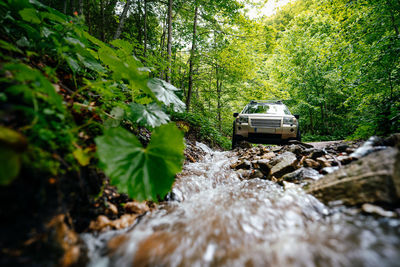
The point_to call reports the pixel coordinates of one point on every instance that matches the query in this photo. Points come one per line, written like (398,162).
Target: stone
(123,222)
(111,209)
(263,166)
(317,153)
(256,174)
(344,159)
(100,224)
(244,174)
(369,208)
(311,163)
(371,179)
(301,175)
(328,170)
(243,164)
(300,143)
(136,207)
(296,149)
(65,238)
(283,164)
(324,162)
(244,145)
(268,156)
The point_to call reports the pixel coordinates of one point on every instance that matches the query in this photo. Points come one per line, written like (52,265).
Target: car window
(260,108)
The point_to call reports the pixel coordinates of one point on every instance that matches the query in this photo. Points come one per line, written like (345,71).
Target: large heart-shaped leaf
(142,173)
(165,92)
(148,115)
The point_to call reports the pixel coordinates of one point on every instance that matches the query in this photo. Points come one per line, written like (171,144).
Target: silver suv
(265,122)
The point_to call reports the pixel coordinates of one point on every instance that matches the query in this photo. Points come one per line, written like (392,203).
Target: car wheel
(298,136)
(234,137)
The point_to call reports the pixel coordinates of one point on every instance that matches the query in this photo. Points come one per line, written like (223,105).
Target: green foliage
(73,87)
(203,129)
(145,173)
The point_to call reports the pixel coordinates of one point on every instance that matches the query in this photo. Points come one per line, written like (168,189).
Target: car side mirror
(235,114)
(297,116)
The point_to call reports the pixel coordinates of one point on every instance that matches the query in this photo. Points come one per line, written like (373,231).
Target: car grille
(262,123)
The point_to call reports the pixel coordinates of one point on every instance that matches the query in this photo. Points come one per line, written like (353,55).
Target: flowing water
(216,219)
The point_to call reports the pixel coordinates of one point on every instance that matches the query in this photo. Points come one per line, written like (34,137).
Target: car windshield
(264,108)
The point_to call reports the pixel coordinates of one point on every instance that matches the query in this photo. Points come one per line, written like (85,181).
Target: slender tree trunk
(219,105)
(139,21)
(145,29)
(169,44)
(102,19)
(72,4)
(80,7)
(65,6)
(192,52)
(122,20)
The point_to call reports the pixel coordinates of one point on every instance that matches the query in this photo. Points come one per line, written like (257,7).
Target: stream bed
(213,218)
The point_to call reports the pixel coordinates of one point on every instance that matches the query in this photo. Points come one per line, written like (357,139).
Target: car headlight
(289,120)
(243,119)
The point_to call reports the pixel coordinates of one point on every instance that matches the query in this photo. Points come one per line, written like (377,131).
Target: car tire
(298,136)
(234,137)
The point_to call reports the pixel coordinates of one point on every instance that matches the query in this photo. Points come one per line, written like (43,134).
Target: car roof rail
(267,101)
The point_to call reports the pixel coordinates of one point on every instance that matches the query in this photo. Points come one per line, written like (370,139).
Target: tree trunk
(65,6)
(169,44)
(122,20)
(145,29)
(192,51)
(102,19)
(80,7)
(219,91)
(72,4)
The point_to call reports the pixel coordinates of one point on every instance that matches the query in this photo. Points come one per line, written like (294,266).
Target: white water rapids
(219,220)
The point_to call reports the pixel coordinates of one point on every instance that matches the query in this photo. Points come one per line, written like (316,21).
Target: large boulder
(283,164)
(373,178)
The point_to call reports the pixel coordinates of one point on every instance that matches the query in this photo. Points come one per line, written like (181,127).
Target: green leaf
(9,47)
(30,15)
(10,165)
(147,115)
(72,63)
(82,156)
(12,144)
(117,114)
(165,92)
(142,173)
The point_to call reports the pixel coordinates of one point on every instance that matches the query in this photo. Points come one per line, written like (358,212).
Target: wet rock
(264,166)
(111,209)
(256,174)
(244,164)
(61,236)
(136,207)
(296,149)
(244,174)
(370,146)
(311,163)
(123,222)
(300,143)
(301,175)
(344,159)
(268,155)
(393,140)
(244,144)
(369,208)
(373,178)
(324,162)
(283,164)
(342,147)
(328,170)
(101,223)
(317,153)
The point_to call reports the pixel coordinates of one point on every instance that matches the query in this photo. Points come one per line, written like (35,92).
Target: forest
(85,83)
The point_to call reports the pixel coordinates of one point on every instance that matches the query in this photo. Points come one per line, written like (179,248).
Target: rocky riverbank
(351,173)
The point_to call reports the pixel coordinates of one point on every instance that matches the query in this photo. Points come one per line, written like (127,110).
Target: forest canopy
(81,76)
